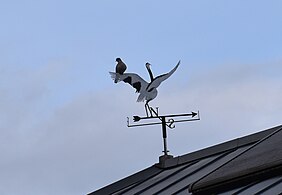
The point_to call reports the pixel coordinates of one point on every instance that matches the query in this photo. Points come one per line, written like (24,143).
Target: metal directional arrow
(165,123)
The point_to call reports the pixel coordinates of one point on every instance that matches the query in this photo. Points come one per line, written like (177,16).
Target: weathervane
(170,123)
(148,92)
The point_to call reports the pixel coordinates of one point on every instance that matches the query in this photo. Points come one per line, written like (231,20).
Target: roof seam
(140,182)
(244,188)
(125,182)
(225,154)
(209,163)
(270,186)
(237,143)
(179,175)
(174,173)
(236,156)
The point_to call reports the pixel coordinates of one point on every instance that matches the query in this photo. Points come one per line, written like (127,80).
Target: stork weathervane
(148,92)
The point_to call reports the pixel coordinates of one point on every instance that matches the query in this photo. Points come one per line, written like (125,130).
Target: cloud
(23,107)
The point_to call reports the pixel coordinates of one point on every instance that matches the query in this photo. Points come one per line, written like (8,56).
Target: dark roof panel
(275,188)
(207,169)
(268,186)
(263,156)
(128,181)
(157,179)
(207,165)
(219,148)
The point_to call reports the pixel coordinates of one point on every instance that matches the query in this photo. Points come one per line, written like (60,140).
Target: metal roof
(247,165)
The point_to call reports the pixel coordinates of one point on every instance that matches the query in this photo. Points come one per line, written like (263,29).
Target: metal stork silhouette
(147,91)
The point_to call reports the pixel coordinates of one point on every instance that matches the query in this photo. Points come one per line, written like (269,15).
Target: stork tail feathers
(141,97)
(115,76)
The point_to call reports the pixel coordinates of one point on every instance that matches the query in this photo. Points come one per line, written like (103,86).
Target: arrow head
(136,118)
(194,114)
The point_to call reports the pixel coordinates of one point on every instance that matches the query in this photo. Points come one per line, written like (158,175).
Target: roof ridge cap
(219,148)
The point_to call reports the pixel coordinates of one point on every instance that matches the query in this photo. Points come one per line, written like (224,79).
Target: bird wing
(159,79)
(131,78)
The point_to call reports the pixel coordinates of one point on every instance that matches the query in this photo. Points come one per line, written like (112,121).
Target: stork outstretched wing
(159,79)
(133,79)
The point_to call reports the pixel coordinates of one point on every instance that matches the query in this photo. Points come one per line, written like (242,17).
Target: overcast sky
(63,120)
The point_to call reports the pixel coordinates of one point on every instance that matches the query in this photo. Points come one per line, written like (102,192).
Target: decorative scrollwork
(171,124)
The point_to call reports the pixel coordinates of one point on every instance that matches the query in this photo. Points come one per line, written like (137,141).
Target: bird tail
(115,76)
(141,97)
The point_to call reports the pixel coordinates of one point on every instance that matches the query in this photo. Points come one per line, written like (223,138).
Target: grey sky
(63,120)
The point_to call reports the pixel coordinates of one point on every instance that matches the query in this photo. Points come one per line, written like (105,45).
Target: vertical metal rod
(157,111)
(164,135)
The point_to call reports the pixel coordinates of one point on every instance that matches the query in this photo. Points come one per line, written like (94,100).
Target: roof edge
(252,174)
(127,181)
(219,148)
(238,181)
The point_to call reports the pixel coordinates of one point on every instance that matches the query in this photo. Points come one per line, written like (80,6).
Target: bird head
(148,65)
(118,60)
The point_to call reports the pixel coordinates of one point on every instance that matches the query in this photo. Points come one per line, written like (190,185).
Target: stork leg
(147,107)
(150,110)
